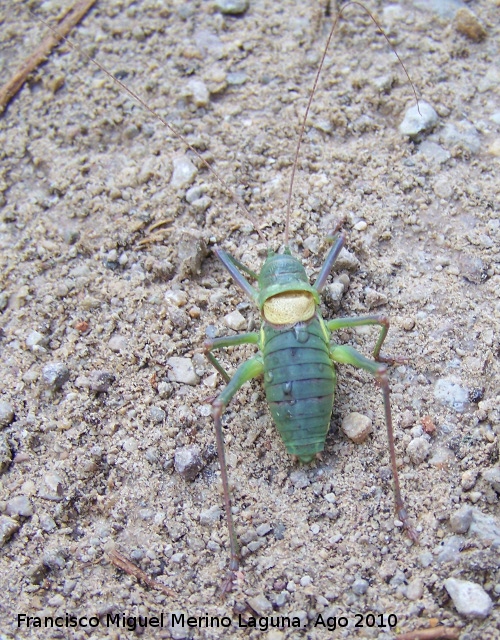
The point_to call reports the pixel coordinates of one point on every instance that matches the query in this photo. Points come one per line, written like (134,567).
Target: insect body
(296,356)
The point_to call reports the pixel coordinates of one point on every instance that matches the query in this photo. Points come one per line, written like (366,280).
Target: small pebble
(157,414)
(129,445)
(235,320)
(263,529)
(346,260)
(210,517)
(8,527)
(52,487)
(194,193)
(357,427)
(191,252)
(55,374)
(68,587)
(407,419)
(201,205)
(6,414)
(415,122)
(443,188)
(333,293)
(360,586)
(188,462)
(260,604)
(442,457)
(425,559)
(177,557)
(449,392)
(184,172)
(469,598)
(433,153)
(176,297)
(117,343)
(475,496)
(360,226)
(374,298)
(486,528)
(408,324)
(100,381)
(461,519)
(165,389)
(36,341)
(232,7)
(468,25)
(449,550)
(418,450)
(469,479)
(463,135)
(47,523)
(312,244)
(415,589)
(428,425)
(182,370)
(492,475)
(56,601)
(19,506)
(197,91)
(236,78)
(299,479)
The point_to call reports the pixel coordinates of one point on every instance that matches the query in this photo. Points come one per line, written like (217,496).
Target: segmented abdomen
(299,380)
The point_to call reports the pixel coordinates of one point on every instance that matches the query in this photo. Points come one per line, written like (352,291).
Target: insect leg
(346,354)
(246,371)
(338,239)
(362,321)
(233,266)
(227,341)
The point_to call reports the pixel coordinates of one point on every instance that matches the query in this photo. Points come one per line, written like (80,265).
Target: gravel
(93,234)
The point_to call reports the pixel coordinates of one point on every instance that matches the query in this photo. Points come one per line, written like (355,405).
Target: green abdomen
(299,380)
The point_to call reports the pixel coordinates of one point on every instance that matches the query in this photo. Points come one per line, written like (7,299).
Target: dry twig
(435,633)
(124,564)
(72,18)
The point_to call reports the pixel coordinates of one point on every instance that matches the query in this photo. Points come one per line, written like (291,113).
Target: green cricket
(296,355)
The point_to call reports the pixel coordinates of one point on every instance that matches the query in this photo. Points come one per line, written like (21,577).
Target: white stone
(469,598)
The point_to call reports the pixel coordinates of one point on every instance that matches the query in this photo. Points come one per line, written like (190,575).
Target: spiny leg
(346,354)
(227,341)
(363,321)
(233,266)
(338,242)
(246,371)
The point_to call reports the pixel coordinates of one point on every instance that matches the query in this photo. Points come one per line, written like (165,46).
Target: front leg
(227,341)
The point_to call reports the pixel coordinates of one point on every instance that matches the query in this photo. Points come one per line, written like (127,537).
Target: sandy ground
(89,281)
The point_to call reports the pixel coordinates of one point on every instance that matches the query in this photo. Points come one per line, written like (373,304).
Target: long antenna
(313,91)
(246,212)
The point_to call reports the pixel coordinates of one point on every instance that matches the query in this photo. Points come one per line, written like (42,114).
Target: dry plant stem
(129,567)
(437,633)
(9,90)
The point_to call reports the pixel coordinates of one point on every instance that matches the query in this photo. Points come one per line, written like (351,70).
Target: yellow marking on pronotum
(289,307)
